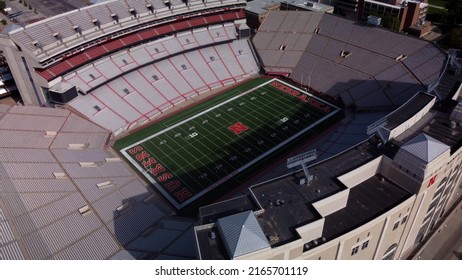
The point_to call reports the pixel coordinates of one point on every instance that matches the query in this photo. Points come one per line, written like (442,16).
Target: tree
(454,8)
(2,5)
(454,39)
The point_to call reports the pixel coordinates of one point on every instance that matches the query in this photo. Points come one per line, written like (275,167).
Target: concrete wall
(361,174)
(332,203)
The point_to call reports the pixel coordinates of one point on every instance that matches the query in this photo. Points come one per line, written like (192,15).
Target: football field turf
(188,157)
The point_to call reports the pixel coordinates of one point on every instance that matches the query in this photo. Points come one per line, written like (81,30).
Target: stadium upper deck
(77,30)
(367,67)
(377,200)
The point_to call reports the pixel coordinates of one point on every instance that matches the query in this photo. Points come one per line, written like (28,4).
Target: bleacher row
(67,196)
(56,34)
(137,96)
(109,46)
(102,70)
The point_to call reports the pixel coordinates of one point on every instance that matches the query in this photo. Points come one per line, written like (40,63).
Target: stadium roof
(242,234)
(425,147)
(367,67)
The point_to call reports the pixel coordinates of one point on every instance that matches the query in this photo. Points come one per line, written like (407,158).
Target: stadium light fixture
(303,159)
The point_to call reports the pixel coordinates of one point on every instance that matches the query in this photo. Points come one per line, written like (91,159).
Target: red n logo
(238,128)
(432,181)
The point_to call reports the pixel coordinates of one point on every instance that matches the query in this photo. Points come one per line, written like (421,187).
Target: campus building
(408,16)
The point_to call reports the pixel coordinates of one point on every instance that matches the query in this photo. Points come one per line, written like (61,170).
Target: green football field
(191,154)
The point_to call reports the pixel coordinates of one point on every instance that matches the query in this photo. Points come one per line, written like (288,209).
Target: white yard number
(192,135)
(284,119)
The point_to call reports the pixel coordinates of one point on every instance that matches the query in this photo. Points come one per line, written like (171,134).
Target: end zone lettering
(301,96)
(159,173)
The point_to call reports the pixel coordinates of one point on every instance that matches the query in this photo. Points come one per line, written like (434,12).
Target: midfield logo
(238,128)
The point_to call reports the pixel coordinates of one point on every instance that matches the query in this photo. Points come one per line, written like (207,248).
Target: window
(365,244)
(354,250)
(395,226)
(404,220)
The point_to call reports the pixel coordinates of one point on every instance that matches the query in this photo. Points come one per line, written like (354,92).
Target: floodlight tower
(303,159)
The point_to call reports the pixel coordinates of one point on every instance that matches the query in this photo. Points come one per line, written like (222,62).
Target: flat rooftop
(287,205)
(409,109)
(365,202)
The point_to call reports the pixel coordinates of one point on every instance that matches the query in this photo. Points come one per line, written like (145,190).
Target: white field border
(167,195)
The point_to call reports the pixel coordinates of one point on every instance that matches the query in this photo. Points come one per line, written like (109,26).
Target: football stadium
(186,157)
(153,129)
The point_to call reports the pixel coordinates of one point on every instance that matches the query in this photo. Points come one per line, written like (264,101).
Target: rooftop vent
(56,35)
(59,175)
(50,133)
(95,21)
(35,43)
(115,159)
(122,208)
(132,11)
(87,164)
(401,57)
(345,54)
(84,210)
(105,184)
(76,146)
(76,28)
